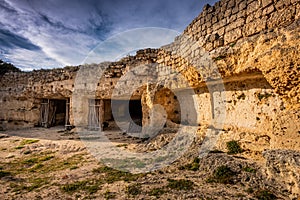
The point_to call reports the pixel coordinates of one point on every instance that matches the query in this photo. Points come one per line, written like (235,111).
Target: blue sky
(38,34)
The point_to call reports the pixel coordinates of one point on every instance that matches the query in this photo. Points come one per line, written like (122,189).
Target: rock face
(284,166)
(238,58)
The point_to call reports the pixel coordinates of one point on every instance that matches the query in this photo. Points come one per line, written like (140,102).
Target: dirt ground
(51,163)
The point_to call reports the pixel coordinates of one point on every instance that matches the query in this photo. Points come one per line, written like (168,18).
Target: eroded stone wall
(251,47)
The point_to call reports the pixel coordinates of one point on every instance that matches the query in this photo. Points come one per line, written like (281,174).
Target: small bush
(232,44)
(30,161)
(24,142)
(113,175)
(249,190)
(109,195)
(7,67)
(73,167)
(4,173)
(264,195)
(46,158)
(134,189)
(249,169)
(180,184)
(222,174)
(36,167)
(85,185)
(263,96)
(122,145)
(219,58)
(233,147)
(157,192)
(194,166)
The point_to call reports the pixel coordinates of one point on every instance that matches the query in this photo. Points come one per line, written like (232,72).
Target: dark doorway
(135,109)
(102,115)
(53,112)
(124,112)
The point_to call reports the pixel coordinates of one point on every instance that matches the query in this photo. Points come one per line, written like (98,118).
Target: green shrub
(29,141)
(264,195)
(109,195)
(113,175)
(219,58)
(157,192)
(180,184)
(261,96)
(134,189)
(7,67)
(194,166)
(249,169)
(4,173)
(233,147)
(86,185)
(222,174)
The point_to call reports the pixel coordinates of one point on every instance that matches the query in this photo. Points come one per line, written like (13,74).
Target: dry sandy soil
(53,164)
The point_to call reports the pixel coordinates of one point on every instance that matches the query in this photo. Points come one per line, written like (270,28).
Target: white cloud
(29,60)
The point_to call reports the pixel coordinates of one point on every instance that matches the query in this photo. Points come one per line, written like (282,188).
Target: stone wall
(229,20)
(241,36)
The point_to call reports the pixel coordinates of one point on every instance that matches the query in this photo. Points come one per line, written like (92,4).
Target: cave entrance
(54,112)
(102,116)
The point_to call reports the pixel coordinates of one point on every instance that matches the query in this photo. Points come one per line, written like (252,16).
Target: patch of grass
(249,169)
(27,152)
(4,173)
(264,195)
(22,165)
(241,96)
(249,190)
(28,141)
(45,158)
(219,58)
(160,158)
(109,195)
(31,161)
(157,192)
(73,167)
(262,96)
(36,167)
(37,183)
(31,185)
(24,142)
(194,166)
(113,175)
(125,163)
(180,184)
(216,151)
(122,145)
(88,186)
(222,174)
(232,44)
(233,147)
(134,189)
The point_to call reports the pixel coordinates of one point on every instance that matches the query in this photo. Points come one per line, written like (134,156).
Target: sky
(38,34)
